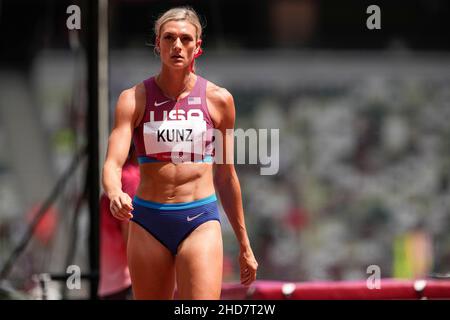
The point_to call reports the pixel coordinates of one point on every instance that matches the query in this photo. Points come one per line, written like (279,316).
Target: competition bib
(175,136)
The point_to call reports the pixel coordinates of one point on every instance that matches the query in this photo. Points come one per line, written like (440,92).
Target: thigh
(152,266)
(199,263)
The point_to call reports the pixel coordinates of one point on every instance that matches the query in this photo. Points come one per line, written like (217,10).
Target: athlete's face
(177,43)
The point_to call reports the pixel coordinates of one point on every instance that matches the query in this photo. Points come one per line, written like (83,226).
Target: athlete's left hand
(248,265)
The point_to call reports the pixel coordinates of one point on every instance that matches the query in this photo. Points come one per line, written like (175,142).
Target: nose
(177,44)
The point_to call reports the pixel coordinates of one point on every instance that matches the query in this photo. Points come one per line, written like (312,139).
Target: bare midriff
(167,182)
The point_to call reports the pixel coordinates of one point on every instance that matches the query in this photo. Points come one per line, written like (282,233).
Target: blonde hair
(177,14)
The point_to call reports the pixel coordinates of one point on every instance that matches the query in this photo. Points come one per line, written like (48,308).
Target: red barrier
(339,290)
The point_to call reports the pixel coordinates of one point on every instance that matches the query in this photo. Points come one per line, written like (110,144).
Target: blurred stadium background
(364,132)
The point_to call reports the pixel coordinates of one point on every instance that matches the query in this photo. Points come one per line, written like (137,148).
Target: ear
(198,45)
(157,42)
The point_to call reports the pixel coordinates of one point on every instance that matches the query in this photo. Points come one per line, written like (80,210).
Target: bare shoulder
(133,96)
(220,104)
(218,95)
(131,103)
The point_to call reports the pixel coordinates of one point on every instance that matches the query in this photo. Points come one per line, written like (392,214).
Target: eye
(168,37)
(186,38)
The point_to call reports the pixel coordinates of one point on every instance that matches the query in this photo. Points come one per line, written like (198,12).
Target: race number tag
(175,136)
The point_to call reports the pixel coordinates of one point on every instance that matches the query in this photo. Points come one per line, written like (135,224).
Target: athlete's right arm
(126,116)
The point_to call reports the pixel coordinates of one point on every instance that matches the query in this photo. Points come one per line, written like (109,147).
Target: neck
(174,82)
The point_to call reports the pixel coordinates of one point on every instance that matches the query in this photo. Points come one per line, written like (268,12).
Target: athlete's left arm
(227,183)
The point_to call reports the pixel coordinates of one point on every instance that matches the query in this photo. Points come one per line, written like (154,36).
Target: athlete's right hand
(121,206)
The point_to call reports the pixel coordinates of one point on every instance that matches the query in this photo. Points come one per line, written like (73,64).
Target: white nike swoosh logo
(158,104)
(194,217)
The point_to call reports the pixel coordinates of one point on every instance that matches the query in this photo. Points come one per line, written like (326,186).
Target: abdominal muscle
(173,183)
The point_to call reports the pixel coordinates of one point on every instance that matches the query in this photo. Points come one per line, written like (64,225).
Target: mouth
(176,56)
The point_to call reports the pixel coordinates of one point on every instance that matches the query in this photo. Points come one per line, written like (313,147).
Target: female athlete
(175,238)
